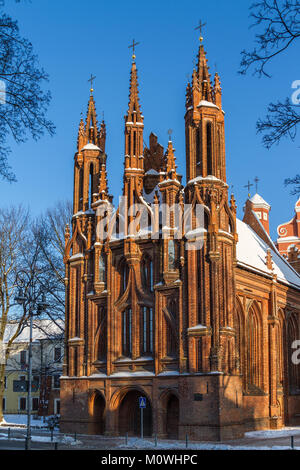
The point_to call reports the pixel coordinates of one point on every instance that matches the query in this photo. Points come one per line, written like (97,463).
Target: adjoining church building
(205,335)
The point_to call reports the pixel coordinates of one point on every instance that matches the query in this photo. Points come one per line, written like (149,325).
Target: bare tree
(13,231)
(278,22)
(49,234)
(23,101)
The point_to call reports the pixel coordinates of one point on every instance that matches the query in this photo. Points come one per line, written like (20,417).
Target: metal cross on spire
(132,46)
(249,185)
(200,27)
(256,183)
(91,80)
(170,131)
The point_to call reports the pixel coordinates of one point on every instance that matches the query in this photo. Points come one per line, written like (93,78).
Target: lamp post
(21,299)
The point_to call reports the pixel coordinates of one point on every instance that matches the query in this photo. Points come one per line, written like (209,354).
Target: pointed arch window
(80,187)
(102,335)
(102,268)
(254,350)
(126,332)
(198,145)
(91,185)
(147,273)
(209,148)
(124,276)
(171,255)
(293,369)
(171,342)
(146,330)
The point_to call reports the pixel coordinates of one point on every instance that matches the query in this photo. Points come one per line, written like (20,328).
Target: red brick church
(206,335)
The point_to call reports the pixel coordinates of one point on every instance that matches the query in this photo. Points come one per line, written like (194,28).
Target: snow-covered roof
(91,147)
(42,329)
(259,201)
(252,252)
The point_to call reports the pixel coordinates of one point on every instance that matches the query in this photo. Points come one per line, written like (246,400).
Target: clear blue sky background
(74,38)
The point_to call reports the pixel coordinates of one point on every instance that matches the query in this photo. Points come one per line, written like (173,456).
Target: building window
(22,404)
(91,184)
(35,404)
(146,330)
(3,403)
(36,381)
(102,268)
(126,332)
(147,273)
(171,342)
(209,148)
(57,354)
(254,356)
(102,335)
(56,381)
(23,355)
(258,215)
(5,382)
(171,255)
(265,216)
(124,276)
(57,406)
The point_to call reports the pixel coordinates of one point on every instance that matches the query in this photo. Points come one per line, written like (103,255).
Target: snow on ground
(243,444)
(137,443)
(61,439)
(285,432)
(15,419)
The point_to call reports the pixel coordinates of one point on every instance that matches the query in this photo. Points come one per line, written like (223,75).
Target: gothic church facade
(205,335)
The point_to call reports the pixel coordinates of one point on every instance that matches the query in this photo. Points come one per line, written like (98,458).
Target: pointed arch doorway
(130,415)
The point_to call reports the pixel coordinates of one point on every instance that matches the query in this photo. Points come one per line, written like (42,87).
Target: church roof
(252,252)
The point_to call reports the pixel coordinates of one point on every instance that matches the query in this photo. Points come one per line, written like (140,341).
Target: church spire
(134,123)
(134,111)
(170,161)
(91,121)
(204,76)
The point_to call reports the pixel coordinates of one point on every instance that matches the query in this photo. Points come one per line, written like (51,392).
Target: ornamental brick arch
(124,406)
(97,411)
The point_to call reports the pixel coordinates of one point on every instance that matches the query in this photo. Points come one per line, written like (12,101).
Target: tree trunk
(2,389)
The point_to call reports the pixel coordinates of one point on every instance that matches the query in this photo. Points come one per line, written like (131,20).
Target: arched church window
(198,146)
(254,358)
(102,268)
(294,369)
(219,156)
(102,336)
(171,343)
(146,330)
(134,143)
(91,184)
(147,273)
(126,332)
(80,187)
(209,148)
(124,275)
(171,255)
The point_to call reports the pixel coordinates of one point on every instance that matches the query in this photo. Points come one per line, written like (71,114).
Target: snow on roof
(252,252)
(258,200)
(91,147)
(42,329)
(208,104)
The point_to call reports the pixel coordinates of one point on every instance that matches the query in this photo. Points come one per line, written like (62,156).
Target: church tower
(211,297)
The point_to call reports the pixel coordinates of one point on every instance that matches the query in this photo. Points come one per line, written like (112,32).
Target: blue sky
(74,38)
